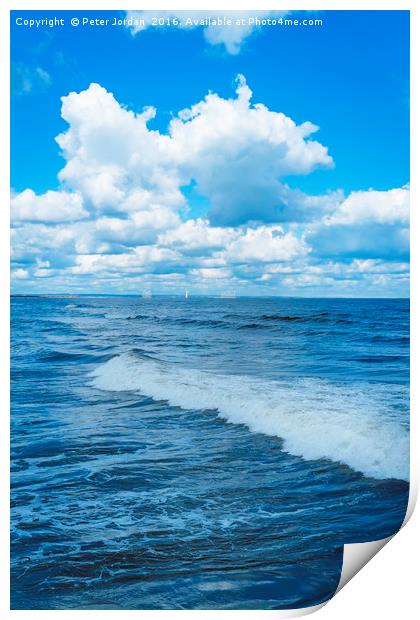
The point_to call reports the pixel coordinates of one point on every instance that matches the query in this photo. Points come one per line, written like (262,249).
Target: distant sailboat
(186,295)
(147,295)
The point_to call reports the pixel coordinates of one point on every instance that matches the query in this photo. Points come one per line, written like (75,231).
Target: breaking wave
(315,418)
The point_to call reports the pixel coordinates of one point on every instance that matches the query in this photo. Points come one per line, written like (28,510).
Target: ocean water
(203,453)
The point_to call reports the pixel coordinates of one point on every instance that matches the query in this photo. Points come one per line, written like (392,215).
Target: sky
(269,160)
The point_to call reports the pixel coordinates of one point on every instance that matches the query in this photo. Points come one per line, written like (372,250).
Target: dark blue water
(202,453)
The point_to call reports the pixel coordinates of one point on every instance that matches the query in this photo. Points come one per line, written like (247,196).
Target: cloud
(120,219)
(113,159)
(386,207)
(20,274)
(372,224)
(373,241)
(197,236)
(141,227)
(237,151)
(43,75)
(265,244)
(357,278)
(31,242)
(212,273)
(26,79)
(49,207)
(140,259)
(229,29)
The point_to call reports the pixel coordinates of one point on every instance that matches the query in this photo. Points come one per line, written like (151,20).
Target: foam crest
(315,418)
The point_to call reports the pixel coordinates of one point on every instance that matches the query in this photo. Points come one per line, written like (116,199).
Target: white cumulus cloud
(198,235)
(236,152)
(266,244)
(233,151)
(122,215)
(366,224)
(386,207)
(52,206)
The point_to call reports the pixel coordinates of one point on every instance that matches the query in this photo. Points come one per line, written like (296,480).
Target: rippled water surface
(203,453)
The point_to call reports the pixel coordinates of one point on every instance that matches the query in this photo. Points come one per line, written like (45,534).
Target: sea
(202,453)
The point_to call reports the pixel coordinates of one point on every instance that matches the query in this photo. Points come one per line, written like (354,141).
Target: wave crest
(315,418)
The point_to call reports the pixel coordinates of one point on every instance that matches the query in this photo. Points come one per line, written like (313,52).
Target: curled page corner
(357,555)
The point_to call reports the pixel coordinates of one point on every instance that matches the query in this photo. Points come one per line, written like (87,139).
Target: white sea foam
(315,418)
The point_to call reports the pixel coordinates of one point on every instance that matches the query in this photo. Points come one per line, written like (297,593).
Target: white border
(394,567)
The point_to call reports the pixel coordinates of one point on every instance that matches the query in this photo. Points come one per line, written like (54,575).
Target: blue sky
(349,77)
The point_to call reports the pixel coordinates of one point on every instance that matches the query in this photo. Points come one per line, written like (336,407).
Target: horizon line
(219,296)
